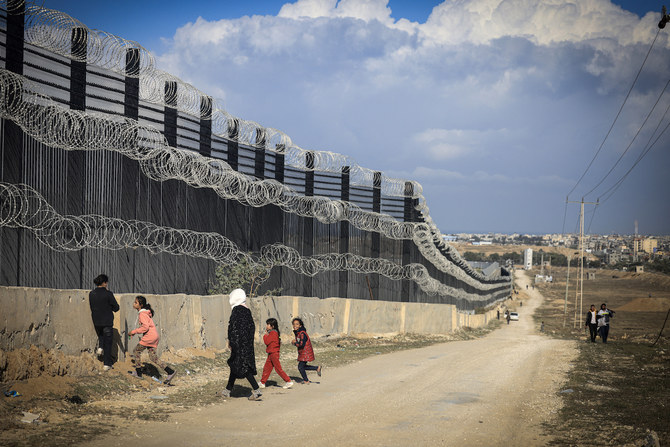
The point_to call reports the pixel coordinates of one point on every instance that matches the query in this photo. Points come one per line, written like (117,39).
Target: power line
(633,140)
(618,113)
(593,215)
(565,214)
(614,187)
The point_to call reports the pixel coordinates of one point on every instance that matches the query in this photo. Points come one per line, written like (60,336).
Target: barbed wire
(21,206)
(60,33)
(58,127)
(56,31)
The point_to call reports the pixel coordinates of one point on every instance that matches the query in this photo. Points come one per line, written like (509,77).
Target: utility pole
(565,304)
(581,258)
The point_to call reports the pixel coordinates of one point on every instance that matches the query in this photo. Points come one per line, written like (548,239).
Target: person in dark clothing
(241,329)
(592,322)
(103,305)
(603,317)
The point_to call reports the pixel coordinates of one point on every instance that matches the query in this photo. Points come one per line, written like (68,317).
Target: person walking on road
(592,322)
(149,340)
(508,317)
(272,340)
(305,351)
(241,329)
(603,318)
(103,305)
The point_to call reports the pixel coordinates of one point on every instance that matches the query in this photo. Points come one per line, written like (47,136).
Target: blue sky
(495,106)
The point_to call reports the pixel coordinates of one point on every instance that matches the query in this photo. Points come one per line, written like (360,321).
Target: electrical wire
(617,115)
(593,215)
(565,214)
(620,181)
(633,140)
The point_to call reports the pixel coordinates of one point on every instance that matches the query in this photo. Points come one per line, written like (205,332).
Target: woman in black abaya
(241,329)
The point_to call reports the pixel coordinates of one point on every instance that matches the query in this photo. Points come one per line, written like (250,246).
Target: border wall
(61,319)
(68,91)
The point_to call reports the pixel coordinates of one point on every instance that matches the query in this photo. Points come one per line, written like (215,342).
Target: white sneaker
(99,351)
(261,385)
(106,368)
(288,385)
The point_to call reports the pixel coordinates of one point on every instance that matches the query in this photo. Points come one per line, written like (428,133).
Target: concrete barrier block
(25,317)
(381,317)
(278,307)
(319,315)
(71,324)
(215,312)
(426,318)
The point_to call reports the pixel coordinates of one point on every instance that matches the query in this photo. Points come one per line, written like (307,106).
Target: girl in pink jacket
(149,340)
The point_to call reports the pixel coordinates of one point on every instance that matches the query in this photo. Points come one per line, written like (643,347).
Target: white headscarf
(237,297)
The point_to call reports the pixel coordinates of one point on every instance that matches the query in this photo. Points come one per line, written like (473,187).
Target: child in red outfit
(149,340)
(305,351)
(273,343)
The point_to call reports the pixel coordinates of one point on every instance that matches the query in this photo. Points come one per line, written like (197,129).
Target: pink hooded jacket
(148,328)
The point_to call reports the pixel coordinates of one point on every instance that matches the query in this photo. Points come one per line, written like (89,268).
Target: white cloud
(487,179)
(543,22)
(497,92)
(443,144)
(357,9)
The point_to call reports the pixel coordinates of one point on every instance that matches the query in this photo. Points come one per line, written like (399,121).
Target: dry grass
(621,390)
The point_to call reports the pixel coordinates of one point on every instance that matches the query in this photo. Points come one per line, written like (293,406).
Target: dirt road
(496,390)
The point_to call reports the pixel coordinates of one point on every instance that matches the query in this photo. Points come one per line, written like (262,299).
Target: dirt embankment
(621,387)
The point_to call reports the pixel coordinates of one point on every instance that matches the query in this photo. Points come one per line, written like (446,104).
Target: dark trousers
(250,377)
(105,338)
(604,331)
(593,329)
(303,367)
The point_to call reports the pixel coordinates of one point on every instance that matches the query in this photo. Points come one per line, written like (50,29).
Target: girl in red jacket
(149,340)
(272,342)
(305,351)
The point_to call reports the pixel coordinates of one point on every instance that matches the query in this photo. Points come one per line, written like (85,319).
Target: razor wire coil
(23,207)
(58,127)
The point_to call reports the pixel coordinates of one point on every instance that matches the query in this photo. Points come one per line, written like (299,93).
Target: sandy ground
(496,390)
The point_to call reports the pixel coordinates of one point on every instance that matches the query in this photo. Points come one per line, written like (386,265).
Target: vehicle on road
(514,316)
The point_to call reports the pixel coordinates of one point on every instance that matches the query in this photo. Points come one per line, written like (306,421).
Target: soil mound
(23,364)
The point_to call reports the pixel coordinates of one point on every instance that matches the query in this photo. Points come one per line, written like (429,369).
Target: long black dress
(241,329)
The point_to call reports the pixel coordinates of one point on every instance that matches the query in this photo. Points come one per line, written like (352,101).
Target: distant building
(528,259)
(637,246)
(649,245)
(612,258)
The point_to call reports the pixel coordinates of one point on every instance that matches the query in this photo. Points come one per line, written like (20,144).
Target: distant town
(611,251)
